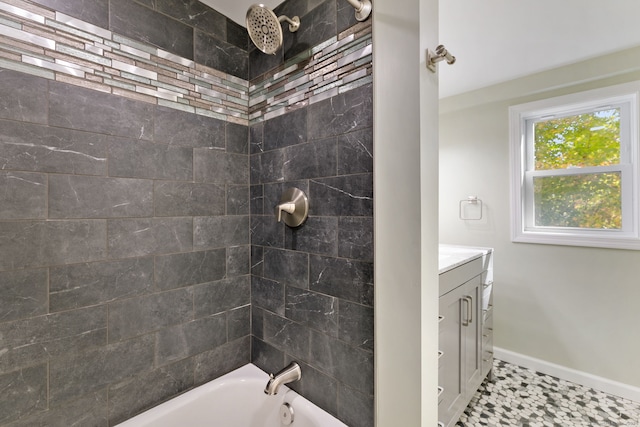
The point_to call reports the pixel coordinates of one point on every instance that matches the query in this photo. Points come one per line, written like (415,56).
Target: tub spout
(288,375)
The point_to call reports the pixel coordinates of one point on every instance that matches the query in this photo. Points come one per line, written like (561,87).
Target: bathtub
(236,399)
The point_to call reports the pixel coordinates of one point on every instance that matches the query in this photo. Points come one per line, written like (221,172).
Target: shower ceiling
(499,40)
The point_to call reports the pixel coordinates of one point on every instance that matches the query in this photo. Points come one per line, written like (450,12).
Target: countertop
(452,256)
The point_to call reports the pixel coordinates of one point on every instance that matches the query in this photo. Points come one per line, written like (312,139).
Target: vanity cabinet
(465,340)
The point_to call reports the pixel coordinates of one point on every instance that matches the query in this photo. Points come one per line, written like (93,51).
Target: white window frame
(521,119)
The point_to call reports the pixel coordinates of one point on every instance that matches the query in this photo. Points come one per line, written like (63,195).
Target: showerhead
(264,28)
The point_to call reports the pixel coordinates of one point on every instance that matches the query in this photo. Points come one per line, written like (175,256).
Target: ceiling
(499,40)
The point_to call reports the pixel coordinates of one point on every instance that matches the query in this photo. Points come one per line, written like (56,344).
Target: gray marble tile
(81,285)
(342,278)
(257,260)
(23,294)
(256,200)
(287,267)
(218,167)
(255,169)
(188,199)
(239,323)
(343,113)
(223,295)
(77,374)
(37,339)
(349,365)
(238,260)
(24,392)
(23,97)
(260,63)
(355,238)
(139,237)
(195,14)
(143,159)
(268,295)
(256,138)
(289,336)
(317,387)
(189,339)
(346,16)
(265,231)
(292,8)
(266,357)
(23,195)
(342,196)
(356,324)
(140,315)
(30,147)
(237,35)
(90,410)
(257,322)
(220,231)
(237,138)
(74,196)
(355,409)
(318,235)
(223,56)
(185,269)
(222,360)
(95,12)
(312,309)
(177,127)
(140,23)
(141,392)
(355,152)
(74,107)
(285,130)
(238,200)
(316,26)
(311,160)
(43,243)
(273,193)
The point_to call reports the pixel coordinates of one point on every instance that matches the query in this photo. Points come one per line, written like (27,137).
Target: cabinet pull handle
(469,318)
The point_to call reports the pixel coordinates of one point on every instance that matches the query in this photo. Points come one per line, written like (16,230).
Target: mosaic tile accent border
(49,44)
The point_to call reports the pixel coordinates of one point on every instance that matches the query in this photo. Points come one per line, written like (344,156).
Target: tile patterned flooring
(524,398)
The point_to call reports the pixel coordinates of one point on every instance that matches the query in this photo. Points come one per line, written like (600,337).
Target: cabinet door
(472,335)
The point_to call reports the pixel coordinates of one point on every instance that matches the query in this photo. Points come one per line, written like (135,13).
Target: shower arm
(362,7)
(294,23)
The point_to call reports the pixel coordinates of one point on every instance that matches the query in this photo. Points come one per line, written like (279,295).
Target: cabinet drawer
(451,279)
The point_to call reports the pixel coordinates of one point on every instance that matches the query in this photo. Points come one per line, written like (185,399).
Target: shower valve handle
(296,205)
(287,207)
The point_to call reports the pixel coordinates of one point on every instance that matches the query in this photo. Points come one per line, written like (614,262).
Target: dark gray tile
(317,235)
(89,411)
(23,195)
(238,200)
(177,127)
(265,231)
(140,23)
(220,231)
(143,159)
(189,339)
(43,243)
(223,56)
(354,408)
(237,35)
(285,130)
(356,325)
(239,323)
(257,322)
(312,309)
(238,260)
(23,97)
(195,14)
(255,169)
(237,138)
(317,387)
(257,260)
(73,196)
(222,360)
(141,392)
(349,365)
(29,147)
(315,27)
(79,108)
(292,8)
(343,113)
(140,315)
(355,152)
(289,336)
(342,196)
(287,267)
(267,294)
(256,138)
(355,238)
(95,12)
(346,16)
(82,373)
(273,193)
(23,294)
(24,392)
(342,278)
(188,199)
(35,340)
(256,200)
(266,357)
(260,63)
(140,237)
(223,295)
(218,167)
(82,285)
(178,270)
(303,161)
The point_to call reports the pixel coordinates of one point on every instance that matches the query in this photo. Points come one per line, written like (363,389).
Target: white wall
(571,306)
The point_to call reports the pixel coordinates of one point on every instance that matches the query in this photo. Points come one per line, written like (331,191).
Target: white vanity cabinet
(465,340)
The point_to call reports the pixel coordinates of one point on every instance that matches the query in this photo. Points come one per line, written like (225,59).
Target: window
(574,169)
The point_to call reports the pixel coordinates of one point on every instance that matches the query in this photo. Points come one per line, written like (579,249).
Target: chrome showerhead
(265,30)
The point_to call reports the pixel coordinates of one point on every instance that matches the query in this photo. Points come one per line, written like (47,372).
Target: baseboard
(583,378)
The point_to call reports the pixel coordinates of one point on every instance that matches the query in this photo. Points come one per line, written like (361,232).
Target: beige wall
(571,306)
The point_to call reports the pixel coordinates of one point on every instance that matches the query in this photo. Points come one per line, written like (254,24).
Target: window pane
(590,139)
(581,201)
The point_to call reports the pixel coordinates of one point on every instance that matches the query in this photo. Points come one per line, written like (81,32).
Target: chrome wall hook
(440,54)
